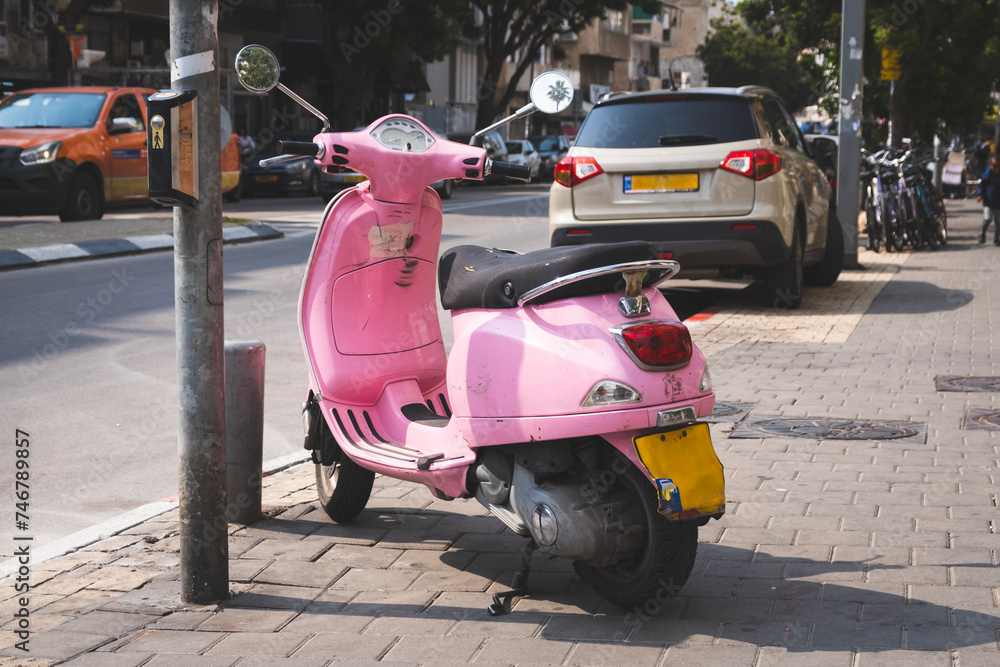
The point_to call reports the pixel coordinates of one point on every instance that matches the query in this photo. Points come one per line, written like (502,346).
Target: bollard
(244,429)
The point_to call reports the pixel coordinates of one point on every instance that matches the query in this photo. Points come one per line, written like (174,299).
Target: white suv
(719,179)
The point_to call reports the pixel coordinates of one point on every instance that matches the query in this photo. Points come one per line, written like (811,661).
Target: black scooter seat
(476,277)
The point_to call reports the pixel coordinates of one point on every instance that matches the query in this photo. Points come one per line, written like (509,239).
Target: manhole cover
(967,383)
(730,411)
(981,420)
(830,429)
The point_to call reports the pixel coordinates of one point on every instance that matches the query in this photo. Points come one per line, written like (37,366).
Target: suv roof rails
(743,90)
(614,93)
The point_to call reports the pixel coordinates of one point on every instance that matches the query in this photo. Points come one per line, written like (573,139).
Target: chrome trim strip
(669,265)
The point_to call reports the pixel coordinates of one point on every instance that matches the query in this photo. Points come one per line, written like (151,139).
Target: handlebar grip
(519,171)
(307,148)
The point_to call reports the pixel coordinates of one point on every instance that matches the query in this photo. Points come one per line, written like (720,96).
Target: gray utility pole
(852,39)
(204,549)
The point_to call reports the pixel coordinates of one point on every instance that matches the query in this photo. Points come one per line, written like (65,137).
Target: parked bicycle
(902,208)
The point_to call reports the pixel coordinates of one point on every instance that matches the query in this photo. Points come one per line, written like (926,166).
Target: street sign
(890,64)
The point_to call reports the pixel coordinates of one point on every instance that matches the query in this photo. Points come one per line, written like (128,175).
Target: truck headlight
(41,154)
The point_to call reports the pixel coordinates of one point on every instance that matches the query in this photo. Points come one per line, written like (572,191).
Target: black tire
(235,194)
(894,238)
(662,565)
(938,213)
(84,201)
(786,280)
(343,488)
(876,232)
(313,187)
(828,270)
(446,189)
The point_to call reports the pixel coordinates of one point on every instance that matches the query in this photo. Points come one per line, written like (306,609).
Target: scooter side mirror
(257,68)
(551,92)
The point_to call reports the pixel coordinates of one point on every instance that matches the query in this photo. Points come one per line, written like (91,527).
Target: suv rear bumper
(694,244)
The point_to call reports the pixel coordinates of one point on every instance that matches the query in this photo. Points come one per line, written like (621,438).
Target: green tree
(364,40)
(517,30)
(741,51)
(949,56)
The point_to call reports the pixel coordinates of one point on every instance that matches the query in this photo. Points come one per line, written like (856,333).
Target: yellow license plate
(353,178)
(651,183)
(266,179)
(687,472)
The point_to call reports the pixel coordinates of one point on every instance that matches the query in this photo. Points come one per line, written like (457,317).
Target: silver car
(719,179)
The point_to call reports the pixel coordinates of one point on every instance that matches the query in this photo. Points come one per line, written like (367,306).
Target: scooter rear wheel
(343,488)
(660,568)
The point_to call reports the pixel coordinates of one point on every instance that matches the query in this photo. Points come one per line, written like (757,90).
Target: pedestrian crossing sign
(156,124)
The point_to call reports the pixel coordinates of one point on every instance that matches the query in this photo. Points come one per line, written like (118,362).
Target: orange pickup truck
(73,150)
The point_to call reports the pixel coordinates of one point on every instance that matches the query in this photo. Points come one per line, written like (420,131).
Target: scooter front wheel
(660,568)
(343,488)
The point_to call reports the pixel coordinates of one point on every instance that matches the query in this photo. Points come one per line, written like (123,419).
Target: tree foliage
(744,50)
(516,30)
(949,56)
(363,40)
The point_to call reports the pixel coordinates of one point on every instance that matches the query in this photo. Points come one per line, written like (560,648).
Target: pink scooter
(569,405)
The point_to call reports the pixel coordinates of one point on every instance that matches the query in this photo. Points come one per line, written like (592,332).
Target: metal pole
(849,163)
(892,92)
(938,163)
(244,429)
(204,549)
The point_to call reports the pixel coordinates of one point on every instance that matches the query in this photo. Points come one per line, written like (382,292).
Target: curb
(23,258)
(126,520)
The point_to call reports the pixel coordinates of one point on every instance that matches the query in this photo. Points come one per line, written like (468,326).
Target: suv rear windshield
(668,120)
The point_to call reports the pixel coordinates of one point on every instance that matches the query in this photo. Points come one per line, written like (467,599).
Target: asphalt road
(87,356)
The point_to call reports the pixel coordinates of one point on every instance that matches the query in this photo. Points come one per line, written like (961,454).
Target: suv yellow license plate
(267,179)
(653,183)
(687,472)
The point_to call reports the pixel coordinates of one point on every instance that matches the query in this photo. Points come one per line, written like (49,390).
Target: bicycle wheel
(927,227)
(894,240)
(911,223)
(873,222)
(933,206)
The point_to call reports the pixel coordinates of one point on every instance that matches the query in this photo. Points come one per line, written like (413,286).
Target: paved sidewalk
(37,243)
(833,551)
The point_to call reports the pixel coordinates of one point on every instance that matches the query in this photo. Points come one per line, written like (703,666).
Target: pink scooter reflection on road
(570,402)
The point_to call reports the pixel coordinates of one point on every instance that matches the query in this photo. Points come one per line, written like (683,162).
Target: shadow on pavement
(737,596)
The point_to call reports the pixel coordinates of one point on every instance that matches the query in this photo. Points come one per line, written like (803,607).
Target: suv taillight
(661,344)
(572,171)
(756,164)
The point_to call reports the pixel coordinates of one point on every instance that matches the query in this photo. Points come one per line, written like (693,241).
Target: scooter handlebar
(307,148)
(521,172)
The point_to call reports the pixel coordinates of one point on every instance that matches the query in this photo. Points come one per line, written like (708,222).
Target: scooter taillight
(656,344)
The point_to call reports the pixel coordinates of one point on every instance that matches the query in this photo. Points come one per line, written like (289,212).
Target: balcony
(597,41)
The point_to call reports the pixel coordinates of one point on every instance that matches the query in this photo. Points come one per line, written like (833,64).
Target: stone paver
(831,552)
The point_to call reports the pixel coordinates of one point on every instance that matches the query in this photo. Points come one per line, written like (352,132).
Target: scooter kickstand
(502,602)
